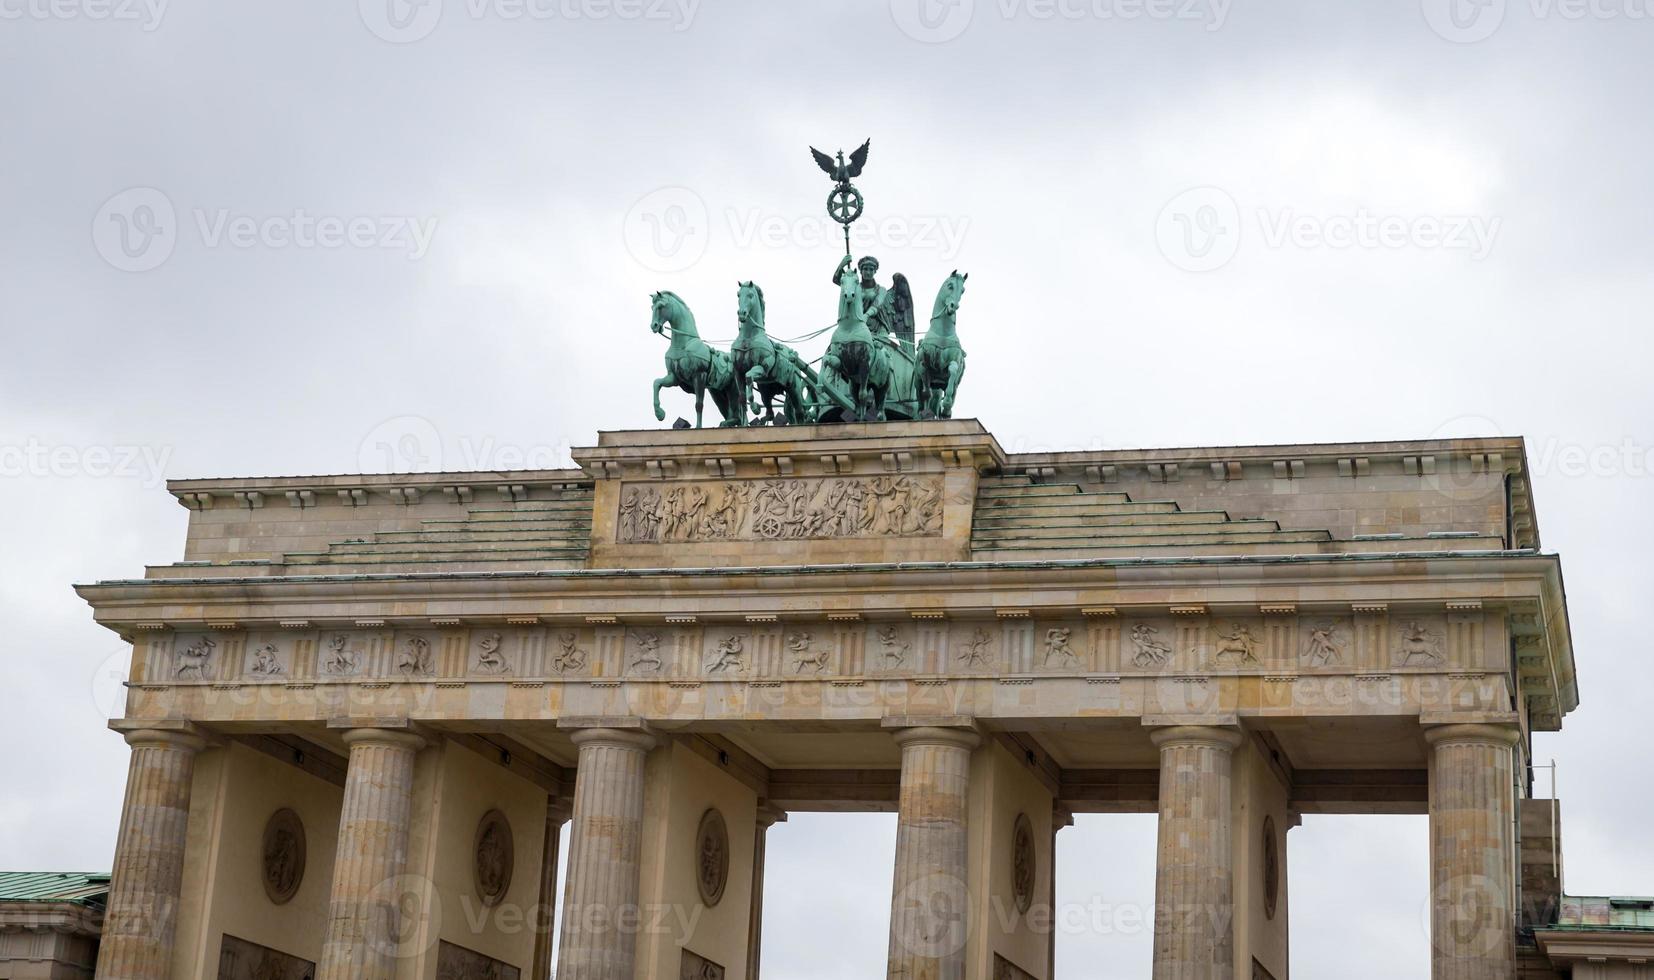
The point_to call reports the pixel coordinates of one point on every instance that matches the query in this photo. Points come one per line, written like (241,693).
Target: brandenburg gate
(362,708)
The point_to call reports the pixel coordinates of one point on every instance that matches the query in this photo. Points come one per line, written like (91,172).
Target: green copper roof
(81,888)
(1609,912)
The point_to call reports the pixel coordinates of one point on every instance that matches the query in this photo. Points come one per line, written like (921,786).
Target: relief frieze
(781,510)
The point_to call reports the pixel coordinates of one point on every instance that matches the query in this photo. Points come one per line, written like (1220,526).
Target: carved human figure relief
(975,653)
(491,656)
(340,657)
(195,659)
(798,644)
(1416,643)
(1235,645)
(1151,652)
(493,858)
(781,510)
(1056,645)
(648,651)
(1322,645)
(267,661)
(730,656)
(896,648)
(415,658)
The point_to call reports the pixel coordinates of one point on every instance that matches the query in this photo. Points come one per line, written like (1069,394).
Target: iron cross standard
(845,203)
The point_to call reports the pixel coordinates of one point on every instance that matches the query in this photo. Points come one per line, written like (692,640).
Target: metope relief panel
(1147,646)
(190,657)
(418,654)
(268,657)
(780,510)
(1233,643)
(974,647)
(727,653)
(646,650)
(810,651)
(1418,641)
(1061,647)
(1326,643)
(890,648)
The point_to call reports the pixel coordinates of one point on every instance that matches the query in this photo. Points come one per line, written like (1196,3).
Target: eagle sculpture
(842,172)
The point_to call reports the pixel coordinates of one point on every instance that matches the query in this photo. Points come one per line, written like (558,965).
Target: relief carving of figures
(490,658)
(780,510)
(570,655)
(1322,645)
(415,657)
(803,656)
(648,651)
(195,659)
(1417,642)
(341,657)
(731,655)
(267,661)
(1237,644)
(1056,645)
(895,647)
(1150,651)
(976,649)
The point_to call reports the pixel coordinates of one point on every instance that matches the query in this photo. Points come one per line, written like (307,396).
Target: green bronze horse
(856,358)
(941,358)
(693,365)
(770,367)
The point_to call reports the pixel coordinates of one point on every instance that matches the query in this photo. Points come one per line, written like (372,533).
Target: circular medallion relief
(495,856)
(1022,863)
(283,853)
(712,857)
(1271,868)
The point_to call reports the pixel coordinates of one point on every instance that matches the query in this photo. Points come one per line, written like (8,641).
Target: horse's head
(749,305)
(948,297)
(849,297)
(671,313)
(661,313)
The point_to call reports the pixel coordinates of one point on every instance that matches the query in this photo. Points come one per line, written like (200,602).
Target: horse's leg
(700,404)
(660,413)
(956,371)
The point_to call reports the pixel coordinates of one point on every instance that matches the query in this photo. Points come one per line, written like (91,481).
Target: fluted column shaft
(364,929)
(1472,801)
(768,816)
(600,901)
(142,917)
(930,897)
(1194,936)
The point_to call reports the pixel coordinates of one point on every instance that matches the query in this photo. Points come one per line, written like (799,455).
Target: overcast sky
(319,237)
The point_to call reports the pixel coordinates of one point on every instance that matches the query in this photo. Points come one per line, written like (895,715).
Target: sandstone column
(1061,817)
(1472,806)
(557,814)
(1194,904)
(928,909)
(149,857)
(768,816)
(601,917)
(364,929)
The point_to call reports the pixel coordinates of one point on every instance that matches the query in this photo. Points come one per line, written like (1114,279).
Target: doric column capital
(620,738)
(1224,739)
(769,814)
(390,737)
(164,739)
(1500,736)
(958,738)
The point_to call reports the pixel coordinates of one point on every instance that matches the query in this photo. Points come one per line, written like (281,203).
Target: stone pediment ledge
(303,492)
(891,447)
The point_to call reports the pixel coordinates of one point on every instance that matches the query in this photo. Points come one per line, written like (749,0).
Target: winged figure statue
(838,169)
